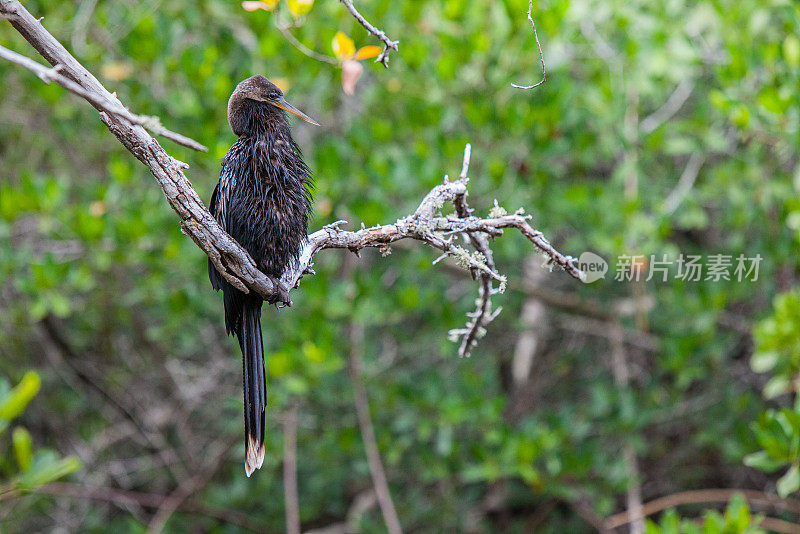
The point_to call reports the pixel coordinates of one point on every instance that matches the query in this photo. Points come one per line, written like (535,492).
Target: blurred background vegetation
(580,399)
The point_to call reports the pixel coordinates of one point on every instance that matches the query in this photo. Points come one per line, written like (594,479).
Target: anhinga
(262,200)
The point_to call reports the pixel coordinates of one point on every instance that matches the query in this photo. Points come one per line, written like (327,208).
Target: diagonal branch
(388,44)
(379,480)
(290,470)
(98,100)
(284,28)
(673,104)
(191,485)
(704,496)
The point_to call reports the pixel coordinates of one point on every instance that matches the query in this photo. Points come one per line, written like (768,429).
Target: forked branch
(426,224)
(388,44)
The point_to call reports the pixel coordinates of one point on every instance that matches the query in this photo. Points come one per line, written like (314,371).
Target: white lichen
(497,211)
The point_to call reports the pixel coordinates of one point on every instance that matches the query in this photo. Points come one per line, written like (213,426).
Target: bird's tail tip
(254,456)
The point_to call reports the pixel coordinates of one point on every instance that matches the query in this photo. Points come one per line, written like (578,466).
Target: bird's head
(258,89)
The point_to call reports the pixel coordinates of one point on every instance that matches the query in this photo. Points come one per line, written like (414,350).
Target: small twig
(673,104)
(48,75)
(383,58)
(368,434)
(541,54)
(465,162)
(290,470)
(284,29)
(685,183)
(125,498)
(188,487)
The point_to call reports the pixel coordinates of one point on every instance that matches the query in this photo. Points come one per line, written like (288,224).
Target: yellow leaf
(266,5)
(116,71)
(351,72)
(368,52)
(343,46)
(300,7)
(98,208)
(281,83)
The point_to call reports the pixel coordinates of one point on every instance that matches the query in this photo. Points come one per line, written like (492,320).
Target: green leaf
(791,51)
(737,514)
(761,460)
(764,361)
(793,419)
(18,398)
(23,448)
(776,386)
(46,468)
(790,482)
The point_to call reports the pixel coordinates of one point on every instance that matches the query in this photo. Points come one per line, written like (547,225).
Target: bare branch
(437,231)
(191,485)
(125,498)
(424,226)
(98,100)
(673,104)
(290,470)
(541,54)
(703,496)
(685,183)
(388,43)
(368,433)
(284,28)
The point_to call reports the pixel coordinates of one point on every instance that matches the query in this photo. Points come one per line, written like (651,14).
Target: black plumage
(263,201)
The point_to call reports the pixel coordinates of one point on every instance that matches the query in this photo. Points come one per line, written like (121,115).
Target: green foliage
(778,345)
(15,400)
(779,436)
(777,352)
(33,469)
(736,519)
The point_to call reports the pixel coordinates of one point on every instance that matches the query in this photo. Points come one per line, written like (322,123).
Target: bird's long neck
(258,120)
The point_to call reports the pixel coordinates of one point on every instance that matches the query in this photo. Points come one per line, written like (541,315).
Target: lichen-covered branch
(427,225)
(388,44)
(483,314)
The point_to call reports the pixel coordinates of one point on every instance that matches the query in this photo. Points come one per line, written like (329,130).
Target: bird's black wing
(232,296)
(213,275)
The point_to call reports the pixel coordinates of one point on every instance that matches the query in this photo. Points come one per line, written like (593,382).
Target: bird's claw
(281,297)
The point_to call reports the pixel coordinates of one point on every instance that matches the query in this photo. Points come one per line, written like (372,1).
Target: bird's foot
(281,298)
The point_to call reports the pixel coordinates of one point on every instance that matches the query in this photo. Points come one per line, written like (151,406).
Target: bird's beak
(284,105)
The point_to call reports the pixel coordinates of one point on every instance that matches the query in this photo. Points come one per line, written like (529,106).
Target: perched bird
(263,201)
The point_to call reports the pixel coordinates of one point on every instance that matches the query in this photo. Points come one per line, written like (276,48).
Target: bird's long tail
(255,384)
